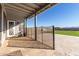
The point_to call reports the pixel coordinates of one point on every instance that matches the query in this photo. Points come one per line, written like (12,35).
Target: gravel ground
(64,44)
(69,45)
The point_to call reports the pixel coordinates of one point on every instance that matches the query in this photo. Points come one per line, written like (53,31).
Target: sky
(61,15)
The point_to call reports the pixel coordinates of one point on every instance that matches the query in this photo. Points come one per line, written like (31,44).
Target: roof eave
(42,9)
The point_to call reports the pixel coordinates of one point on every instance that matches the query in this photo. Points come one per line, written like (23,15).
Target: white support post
(2,26)
(23,27)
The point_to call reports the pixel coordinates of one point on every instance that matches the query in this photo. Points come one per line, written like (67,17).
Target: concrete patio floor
(13,51)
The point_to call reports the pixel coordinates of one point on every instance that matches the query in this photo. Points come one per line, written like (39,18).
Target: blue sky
(62,15)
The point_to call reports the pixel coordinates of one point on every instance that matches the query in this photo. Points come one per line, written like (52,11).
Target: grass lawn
(71,33)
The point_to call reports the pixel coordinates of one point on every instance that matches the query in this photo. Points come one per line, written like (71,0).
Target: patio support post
(2,25)
(35,27)
(53,29)
(26,27)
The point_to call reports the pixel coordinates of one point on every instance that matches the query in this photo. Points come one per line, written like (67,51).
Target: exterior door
(11,28)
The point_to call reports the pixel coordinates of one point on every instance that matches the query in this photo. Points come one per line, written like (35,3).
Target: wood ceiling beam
(40,4)
(17,8)
(25,7)
(14,10)
(32,5)
(29,6)
(13,17)
(16,14)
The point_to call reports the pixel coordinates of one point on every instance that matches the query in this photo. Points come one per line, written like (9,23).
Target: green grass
(71,33)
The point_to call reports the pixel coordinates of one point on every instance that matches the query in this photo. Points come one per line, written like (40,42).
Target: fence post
(42,34)
(53,29)
(31,32)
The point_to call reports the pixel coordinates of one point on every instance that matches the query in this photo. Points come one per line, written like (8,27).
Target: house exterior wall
(3,26)
(18,27)
(0,24)
(4,30)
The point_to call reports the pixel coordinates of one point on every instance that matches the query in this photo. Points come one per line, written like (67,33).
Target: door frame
(8,28)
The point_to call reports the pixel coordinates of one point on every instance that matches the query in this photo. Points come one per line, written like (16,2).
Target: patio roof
(19,11)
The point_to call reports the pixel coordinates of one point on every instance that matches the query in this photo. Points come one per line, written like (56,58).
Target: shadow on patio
(25,42)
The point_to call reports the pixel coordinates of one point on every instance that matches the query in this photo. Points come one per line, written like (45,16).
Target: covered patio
(13,18)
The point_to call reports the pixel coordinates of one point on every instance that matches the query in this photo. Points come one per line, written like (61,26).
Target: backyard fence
(45,35)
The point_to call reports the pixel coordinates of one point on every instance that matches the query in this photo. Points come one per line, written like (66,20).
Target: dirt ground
(68,45)
(64,46)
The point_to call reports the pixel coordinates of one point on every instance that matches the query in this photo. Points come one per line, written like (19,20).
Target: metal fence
(45,35)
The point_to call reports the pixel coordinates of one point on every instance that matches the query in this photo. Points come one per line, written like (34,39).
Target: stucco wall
(4,22)
(0,23)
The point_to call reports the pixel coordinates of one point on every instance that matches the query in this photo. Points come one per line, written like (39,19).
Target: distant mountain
(67,28)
